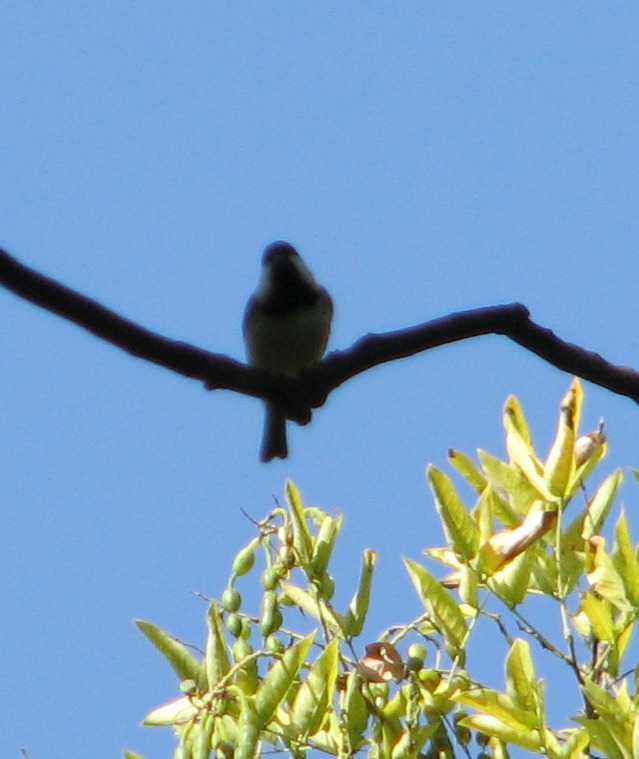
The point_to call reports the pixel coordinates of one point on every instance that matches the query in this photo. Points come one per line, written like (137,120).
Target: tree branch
(310,390)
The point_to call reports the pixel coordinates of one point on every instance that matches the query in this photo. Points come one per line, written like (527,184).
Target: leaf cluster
(266,682)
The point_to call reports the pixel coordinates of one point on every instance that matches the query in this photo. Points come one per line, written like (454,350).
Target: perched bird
(286,327)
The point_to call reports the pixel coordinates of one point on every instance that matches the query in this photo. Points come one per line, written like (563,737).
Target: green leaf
(132,755)
(469,586)
(354,709)
(599,615)
(614,729)
(560,463)
(217,661)
(178,712)
(329,740)
(440,604)
(626,562)
(623,635)
(573,747)
(274,687)
(358,609)
(589,522)
(315,607)
(511,582)
(517,417)
(302,539)
(316,692)
(602,738)
(521,678)
(177,654)
(468,469)
(523,455)
(461,530)
(522,736)
(604,578)
(411,742)
(500,707)
(511,481)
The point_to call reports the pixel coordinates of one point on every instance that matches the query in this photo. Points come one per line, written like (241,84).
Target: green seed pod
(245,559)
(241,649)
(247,676)
(274,644)
(234,625)
(247,628)
(413,665)
(231,599)
(271,618)
(189,687)
(249,731)
(417,651)
(271,576)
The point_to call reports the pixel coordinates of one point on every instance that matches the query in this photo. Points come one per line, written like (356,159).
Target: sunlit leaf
(500,707)
(603,576)
(525,737)
(523,455)
(511,481)
(177,712)
(468,469)
(315,607)
(517,417)
(274,687)
(560,463)
(521,678)
(354,619)
(411,742)
(511,582)
(599,615)
(177,654)
(590,521)
(355,709)
(302,539)
(602,739)
(440,604)
(316,692)
(217,657)
(461,530)
(625,560)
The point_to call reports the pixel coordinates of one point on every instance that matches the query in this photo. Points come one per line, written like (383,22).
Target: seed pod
(231,599)
(234,625)
(245,559)
(271,618)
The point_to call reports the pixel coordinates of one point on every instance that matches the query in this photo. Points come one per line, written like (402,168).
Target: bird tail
(274,436)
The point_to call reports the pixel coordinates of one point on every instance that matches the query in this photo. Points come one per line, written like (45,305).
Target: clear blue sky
(423,157)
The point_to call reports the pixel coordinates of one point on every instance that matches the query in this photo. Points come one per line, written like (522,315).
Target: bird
(286,326)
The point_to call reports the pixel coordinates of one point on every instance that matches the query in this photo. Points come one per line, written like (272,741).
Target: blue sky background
(423,157)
